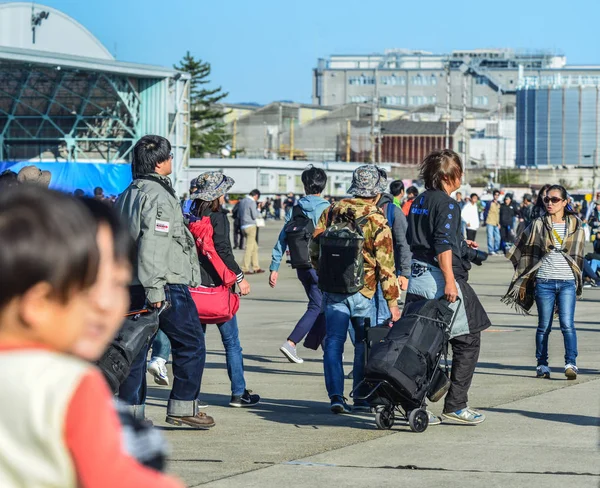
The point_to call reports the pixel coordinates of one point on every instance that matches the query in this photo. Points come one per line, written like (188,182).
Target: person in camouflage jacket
(368,183)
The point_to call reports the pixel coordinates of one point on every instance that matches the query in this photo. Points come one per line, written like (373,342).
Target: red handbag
(215,304)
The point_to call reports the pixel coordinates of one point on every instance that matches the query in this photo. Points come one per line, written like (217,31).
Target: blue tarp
(67,177)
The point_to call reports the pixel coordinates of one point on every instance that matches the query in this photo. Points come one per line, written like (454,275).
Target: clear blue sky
(265,50)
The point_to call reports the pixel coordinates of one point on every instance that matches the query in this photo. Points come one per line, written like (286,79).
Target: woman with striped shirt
(548,260)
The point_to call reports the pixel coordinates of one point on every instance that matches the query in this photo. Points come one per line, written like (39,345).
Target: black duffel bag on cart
(403,369)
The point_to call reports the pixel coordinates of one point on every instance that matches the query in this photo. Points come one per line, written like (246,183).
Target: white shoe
(158,368)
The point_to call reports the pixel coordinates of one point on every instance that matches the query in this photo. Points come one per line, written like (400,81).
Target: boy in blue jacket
(312,205)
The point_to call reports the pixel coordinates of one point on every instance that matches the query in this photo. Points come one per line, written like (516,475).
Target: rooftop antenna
(36,19)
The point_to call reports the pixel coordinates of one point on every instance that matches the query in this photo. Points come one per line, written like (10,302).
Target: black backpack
(299,231)
(341,261)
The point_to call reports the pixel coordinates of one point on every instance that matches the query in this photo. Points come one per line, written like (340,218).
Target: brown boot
(198,421)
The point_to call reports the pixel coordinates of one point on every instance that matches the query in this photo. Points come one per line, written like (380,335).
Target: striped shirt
(554,264)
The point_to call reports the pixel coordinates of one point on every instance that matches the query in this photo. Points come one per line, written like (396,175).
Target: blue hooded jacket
(313,207)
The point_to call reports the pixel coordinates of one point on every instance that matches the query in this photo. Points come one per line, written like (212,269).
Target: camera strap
(560,241)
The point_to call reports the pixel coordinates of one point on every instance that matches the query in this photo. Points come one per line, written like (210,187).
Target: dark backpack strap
(389,212)
(297,212)
(330,216)
(362,220)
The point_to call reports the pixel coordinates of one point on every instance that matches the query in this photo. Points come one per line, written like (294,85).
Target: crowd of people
(61,308)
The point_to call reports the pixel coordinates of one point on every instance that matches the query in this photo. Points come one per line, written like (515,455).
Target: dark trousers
(238,235)
(182,326)
(465,354)
(506,237)
(313,315)
(471,234)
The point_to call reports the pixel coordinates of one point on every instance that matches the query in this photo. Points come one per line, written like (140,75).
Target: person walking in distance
(492,222)
(470,217)
(548,262)
(248,213)
(397,191)
(167,265)
(507,217)
(296,234)
(411,194)
(353,235)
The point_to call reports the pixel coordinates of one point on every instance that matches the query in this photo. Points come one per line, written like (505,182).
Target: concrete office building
(282,130)
(414,78)
(559,125)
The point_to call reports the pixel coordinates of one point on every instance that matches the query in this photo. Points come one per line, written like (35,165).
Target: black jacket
(507,215)
(222,242)
(434,226)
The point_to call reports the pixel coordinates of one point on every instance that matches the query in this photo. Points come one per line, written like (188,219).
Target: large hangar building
(65,98)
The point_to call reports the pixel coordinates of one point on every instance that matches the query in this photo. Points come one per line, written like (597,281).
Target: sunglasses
(554,200)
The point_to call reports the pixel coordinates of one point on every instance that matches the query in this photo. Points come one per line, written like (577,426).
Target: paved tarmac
(537,432)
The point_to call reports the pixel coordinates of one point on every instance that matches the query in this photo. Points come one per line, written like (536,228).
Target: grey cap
(368,181)
(211,185)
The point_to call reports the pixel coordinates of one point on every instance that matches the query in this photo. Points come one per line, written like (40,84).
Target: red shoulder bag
(215,304)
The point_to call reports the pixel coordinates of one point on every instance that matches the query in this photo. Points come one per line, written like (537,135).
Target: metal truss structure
(64,114)
(70,114)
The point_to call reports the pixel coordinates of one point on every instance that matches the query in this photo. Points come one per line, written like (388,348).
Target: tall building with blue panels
(558,126)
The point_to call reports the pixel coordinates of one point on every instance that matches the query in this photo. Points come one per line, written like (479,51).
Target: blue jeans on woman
(339,310)
(233,355)
(549,293)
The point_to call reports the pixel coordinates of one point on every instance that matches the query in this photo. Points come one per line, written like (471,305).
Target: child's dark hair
(314,180)
(412,190)
(124,248)
(396,187)
(45,236)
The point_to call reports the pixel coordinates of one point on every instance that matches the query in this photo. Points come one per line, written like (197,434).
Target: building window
(282,183)
(480,80)
(433,80)
(480,101)
(264,180)
(299,186)
(417,80)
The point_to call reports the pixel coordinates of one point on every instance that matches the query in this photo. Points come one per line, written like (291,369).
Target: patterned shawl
(527,255)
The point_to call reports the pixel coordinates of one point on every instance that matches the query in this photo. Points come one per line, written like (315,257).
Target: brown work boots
(198,421)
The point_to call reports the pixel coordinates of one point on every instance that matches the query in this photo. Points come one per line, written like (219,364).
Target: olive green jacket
(166,252)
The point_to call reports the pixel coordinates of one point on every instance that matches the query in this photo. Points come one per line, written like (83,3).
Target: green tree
(208,134)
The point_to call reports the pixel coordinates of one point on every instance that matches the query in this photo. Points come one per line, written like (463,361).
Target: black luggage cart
(387,400)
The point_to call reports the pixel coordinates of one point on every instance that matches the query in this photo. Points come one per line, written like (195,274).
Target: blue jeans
(382,310)
(233,355)
(339,310)
(547,294)
(161,346)
(313,314)
(493,238)
(594,265)
(182,326)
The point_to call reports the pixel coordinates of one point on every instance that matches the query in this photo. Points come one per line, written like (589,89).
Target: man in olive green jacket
(167,265)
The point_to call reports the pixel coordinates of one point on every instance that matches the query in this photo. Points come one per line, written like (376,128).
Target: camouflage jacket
(378,249)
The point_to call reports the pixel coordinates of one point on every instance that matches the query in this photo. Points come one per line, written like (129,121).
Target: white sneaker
(571,371)
(158,368)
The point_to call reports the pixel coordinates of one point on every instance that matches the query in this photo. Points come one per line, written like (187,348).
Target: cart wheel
(418,420)
(384,419)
